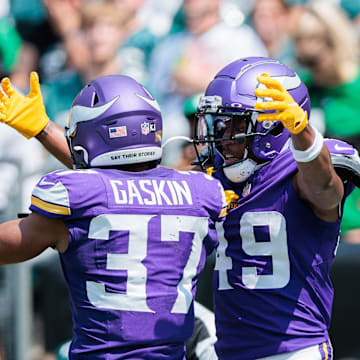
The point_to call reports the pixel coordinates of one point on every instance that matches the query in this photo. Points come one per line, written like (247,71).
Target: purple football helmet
(113,121)
(230,96)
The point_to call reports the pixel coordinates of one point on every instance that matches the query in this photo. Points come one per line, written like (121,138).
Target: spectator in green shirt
(10,45)
(327,46)
(103,30)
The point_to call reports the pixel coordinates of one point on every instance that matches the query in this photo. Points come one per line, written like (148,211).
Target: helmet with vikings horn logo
(230,98)
(113,121)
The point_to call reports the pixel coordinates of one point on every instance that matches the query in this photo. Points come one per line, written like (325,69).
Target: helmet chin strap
(240,171)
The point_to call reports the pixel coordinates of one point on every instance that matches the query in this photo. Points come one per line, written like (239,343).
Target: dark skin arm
(53,139)
(23,239)
(316,181)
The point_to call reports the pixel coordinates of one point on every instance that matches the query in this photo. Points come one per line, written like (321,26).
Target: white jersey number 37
(276,248)
(137,225)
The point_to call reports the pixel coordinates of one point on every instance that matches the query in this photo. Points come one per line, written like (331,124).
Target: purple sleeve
(66,194)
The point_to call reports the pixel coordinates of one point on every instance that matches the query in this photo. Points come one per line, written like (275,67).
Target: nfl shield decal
(145,128)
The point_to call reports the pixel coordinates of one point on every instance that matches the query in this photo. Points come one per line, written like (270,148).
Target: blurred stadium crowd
(174,48)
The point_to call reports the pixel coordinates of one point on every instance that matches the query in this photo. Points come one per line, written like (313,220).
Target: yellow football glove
(26,114)
(292,116)
(230,196)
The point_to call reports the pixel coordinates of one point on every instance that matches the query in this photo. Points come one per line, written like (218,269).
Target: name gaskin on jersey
(151,192)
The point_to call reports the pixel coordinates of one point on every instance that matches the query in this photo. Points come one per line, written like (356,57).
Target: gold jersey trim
(325,350)
(52,208)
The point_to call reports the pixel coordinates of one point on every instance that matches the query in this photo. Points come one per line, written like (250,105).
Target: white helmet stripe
(250,66)
(81,113)
(288,82)
(151,102)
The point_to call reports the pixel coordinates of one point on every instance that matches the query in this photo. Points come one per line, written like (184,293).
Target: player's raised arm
(53,139)
(26,238)
(27,115)
(316,181)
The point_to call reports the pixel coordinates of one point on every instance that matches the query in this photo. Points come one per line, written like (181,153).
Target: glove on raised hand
(26,114)
(288,111)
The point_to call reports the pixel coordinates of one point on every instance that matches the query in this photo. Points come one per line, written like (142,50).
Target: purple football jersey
(273,293)
(137,244)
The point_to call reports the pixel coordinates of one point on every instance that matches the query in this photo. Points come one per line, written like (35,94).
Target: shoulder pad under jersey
(65,193)
(345,159)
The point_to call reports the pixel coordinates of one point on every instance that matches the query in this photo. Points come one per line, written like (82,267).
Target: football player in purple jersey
(132,237)
(286,188)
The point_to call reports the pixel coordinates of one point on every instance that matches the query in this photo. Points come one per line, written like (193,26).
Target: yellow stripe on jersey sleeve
(325,350)
(51,208)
